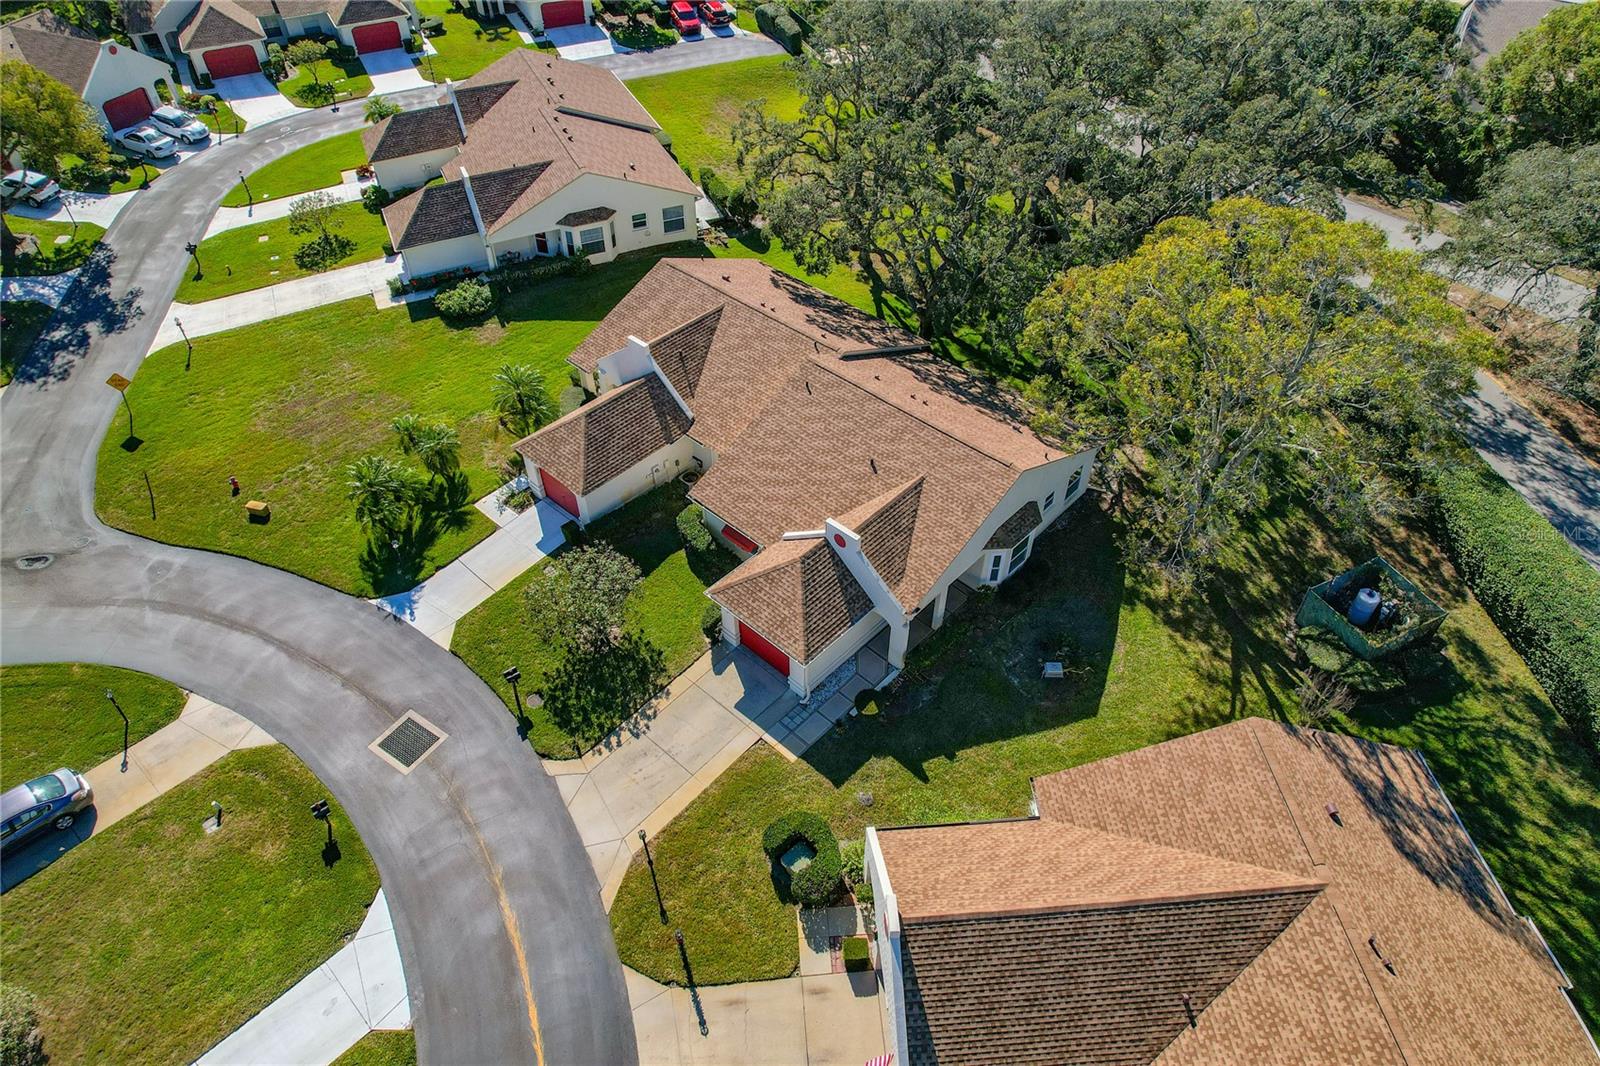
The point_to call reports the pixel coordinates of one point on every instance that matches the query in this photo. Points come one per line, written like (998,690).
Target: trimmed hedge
(692,528)
(776,22)
(1538,590)
(506,279)
(818,883)
(465,299)
(711,621)
(856,953)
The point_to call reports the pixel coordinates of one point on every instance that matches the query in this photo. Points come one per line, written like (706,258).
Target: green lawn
(382,1047)
(468,43)
(154,940)
(700,107)
(51,257)
(977,723)
(315,166)
(57,714)
(345,76)
(21,322)
(120,174)
(665,609)
(236,260)
(223,120)
(286,405)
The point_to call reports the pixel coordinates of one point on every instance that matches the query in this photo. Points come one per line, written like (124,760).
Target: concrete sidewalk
(72,205)
(228,218)
(261,305)
(363,987)
(482,570)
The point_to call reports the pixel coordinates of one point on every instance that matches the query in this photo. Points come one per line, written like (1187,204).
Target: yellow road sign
(118,382)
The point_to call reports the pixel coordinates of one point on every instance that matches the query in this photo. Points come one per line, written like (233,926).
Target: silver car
(51,801)
(29,186)
(176,122)
(148,141)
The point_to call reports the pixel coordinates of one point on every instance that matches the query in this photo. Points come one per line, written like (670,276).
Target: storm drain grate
(407,742)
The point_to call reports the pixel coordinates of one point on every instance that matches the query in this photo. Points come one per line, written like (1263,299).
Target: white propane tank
(1363,606)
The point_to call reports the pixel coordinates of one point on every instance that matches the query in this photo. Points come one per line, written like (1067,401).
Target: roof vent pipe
(450,91)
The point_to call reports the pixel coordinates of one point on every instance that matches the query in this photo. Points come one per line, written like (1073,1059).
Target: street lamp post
(112,697)
(247,194)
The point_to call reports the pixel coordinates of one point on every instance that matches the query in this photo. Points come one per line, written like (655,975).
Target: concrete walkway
(438,603)
(97,207)
(363,987)
(260,305)
(228,218)
(48,289)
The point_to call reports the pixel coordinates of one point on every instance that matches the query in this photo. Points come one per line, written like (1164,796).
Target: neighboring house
(228,38)
(1254,893)
(118,83)
(541,157)
(859,475)
(1487,26)
(539,14)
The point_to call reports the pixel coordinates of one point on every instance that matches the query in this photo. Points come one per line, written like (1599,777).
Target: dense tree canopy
(1255,340)
(1547,80)
(45,120)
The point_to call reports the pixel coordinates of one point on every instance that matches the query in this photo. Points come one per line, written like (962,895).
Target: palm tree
(385,492)
(438,449)
(379,108)
(407,428)
(521,398)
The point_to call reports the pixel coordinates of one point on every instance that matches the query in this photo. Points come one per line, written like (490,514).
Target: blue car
(49,802)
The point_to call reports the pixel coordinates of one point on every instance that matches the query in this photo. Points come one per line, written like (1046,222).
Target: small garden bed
(805,858)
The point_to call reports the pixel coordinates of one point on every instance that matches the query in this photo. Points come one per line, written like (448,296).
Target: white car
(176,122)
(147,141)
(28,185)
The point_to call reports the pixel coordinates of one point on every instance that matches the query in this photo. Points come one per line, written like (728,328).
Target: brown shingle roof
(588,216)
(1022,522)
(796,593)
(219,22)
(430,128)
(1470,981)
(681,353)
(887,528)
(432,213)
(600,440)
(53,45)
(350,12)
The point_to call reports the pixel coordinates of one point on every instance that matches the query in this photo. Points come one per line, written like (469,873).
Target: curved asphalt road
(507,952)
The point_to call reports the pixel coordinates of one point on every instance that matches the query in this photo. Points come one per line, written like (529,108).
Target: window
(541,243)
(994,568)
(1072,482)
(641,220)
(1019,554)
(1049,501)
(592,239)
(672,219)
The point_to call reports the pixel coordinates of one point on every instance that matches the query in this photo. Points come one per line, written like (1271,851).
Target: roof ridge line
(664,334)
(1133,903)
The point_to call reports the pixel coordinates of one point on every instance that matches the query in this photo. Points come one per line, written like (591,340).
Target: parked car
(715,12)
(29,186)
(49,802)
(176,122)
(684,17)
(147,141)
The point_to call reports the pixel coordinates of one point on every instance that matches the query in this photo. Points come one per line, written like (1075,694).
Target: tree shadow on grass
(979,679)
(394,562)
(591,691)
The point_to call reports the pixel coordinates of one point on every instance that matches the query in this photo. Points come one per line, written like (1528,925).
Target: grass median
(152,941)
(250,257)
(57,714)
(315,166)
(52,255)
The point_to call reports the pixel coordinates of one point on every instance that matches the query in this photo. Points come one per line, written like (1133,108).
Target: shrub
(1538,590)
(21,1041)
(853,860)
(692,527)
(776,22)
(818,883)
(321,253)
(572,398)
(711,621)
(869,701)
(643,34)
(732,200)
(856,952)
(465,300)
(375,198)
(572,534)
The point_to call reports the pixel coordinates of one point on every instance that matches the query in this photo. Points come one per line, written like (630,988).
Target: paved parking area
(393,71)
(254,98)
(583,42)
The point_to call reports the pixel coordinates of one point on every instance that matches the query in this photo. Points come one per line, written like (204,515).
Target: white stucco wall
(530,11)
(346,34)
(121,70)
(657,468)
(594,190)
(410,171)
(803,677)
(427,259)
(886,908)
(197,56)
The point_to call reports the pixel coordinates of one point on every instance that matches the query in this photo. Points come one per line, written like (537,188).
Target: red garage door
(231,62)
(378,37)
(558,493)
(129,109)
(561,13)
(765,648)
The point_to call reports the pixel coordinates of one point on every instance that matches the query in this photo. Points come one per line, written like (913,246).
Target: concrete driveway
(393,71)
(255,99)
(583,42)
(73,206)
(703,51)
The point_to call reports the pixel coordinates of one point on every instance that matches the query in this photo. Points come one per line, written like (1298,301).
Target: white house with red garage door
(860,477)
(117,83)
(229,38)
(541,156)
(545,15)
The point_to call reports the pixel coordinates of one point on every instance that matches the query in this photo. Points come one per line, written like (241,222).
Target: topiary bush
(21,1040)
(856,951)
(375,198)
(776,22)
(465,300)
(868,701)
(692,527)
(711,621)
(1538,590)
(818,883)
